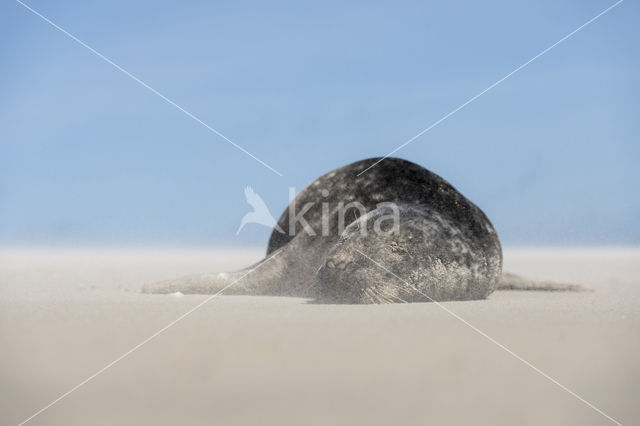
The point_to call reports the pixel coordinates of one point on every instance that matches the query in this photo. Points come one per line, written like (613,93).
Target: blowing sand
(281,361)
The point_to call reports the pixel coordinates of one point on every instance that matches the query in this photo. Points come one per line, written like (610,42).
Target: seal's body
(397,232)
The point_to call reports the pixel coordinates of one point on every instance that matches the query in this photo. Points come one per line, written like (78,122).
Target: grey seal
(397,233)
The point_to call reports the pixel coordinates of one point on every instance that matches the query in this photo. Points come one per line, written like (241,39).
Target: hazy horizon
(88,157)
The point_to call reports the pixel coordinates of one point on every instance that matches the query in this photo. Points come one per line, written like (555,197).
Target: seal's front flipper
(515,282)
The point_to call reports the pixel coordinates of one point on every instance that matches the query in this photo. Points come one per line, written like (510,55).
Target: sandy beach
(65,314)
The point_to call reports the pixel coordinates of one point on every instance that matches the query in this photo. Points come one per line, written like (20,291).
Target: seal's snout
(337,283)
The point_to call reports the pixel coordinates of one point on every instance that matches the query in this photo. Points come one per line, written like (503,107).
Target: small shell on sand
(177,294)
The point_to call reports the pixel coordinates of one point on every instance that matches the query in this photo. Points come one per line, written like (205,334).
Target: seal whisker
(377,296)
(367,293)
(394,296)
(384,296)
(406,288)
(400,299)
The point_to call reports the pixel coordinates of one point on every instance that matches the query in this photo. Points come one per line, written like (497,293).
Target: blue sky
(89,157)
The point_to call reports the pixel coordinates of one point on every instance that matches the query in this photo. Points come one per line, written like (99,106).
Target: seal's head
(349,273)
(418,257)
(344,279)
